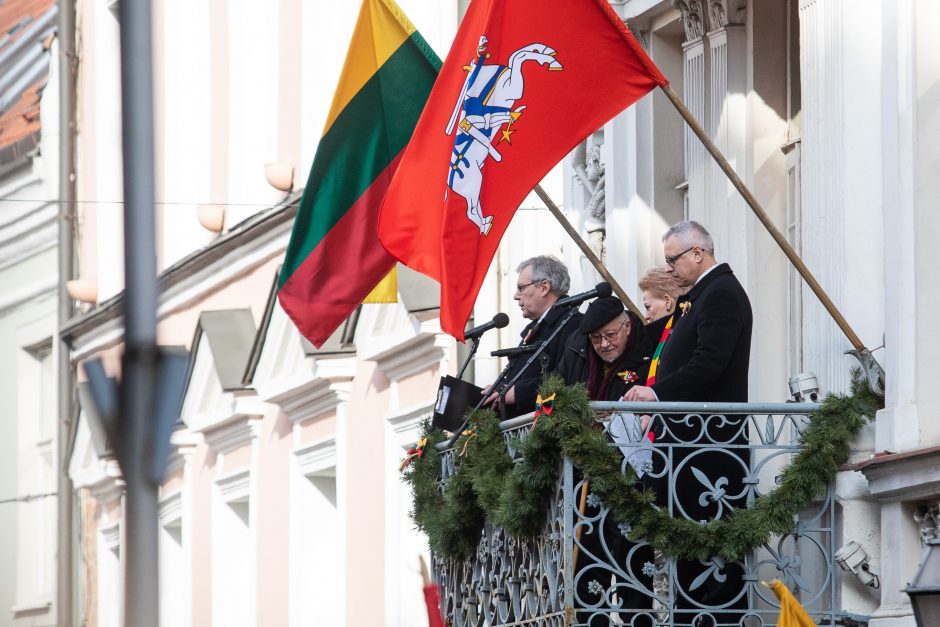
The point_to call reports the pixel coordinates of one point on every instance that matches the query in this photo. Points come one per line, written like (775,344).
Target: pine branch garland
(487,484)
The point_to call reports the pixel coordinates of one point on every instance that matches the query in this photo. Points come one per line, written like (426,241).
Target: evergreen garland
(488,485)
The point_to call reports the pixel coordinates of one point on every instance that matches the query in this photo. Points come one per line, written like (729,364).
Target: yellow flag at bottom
(386,290)
(792,613)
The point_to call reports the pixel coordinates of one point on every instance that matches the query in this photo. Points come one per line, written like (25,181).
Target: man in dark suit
(704,359)
(706,356)
(542,281)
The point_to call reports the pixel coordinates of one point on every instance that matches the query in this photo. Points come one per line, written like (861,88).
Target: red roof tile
(21,119)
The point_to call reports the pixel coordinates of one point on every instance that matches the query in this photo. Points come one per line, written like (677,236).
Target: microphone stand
(474,345)
(499,379)
(536,355)
(502,375)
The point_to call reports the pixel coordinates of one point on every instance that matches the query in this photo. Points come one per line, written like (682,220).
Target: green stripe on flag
(369,132)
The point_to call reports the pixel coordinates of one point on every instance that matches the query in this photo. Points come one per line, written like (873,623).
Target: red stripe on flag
(323,290)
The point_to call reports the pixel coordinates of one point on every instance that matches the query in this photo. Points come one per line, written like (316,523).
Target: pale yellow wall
(317,428)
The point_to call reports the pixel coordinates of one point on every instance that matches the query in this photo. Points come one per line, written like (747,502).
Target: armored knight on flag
(449,226)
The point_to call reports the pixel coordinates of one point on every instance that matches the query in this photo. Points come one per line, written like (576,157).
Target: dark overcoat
(574,367)
(707,355)
(706,359)
(528,383)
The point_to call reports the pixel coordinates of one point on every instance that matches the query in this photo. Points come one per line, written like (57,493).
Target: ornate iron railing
(581,569)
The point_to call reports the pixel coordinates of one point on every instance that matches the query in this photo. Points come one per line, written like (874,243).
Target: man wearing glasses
(705,358)
(707,353)
(542,281)
(601,355)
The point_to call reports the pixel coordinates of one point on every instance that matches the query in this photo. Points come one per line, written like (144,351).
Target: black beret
(599,313)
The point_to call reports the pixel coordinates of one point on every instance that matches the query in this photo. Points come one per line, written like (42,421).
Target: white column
(727,123)
(927,190)
(694,79)
(897,424)
(823,218)
(901,551)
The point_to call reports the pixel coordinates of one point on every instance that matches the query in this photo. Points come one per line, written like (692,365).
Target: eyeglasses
(610,336)
(521,288)
(671,261)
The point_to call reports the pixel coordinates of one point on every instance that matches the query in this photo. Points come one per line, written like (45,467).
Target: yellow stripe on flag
(381,29)
(386,291)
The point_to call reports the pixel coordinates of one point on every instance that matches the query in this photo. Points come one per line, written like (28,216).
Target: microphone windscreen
(500,320)
(603,289)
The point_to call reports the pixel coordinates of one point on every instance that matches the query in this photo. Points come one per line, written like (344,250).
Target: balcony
(581,569)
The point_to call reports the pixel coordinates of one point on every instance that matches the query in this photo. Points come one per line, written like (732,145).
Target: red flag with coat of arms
(523,83)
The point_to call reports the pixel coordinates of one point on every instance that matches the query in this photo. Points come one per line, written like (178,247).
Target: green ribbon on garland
(487,485)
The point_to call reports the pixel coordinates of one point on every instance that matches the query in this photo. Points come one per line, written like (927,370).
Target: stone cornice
(413,355)
(232,433)
(317,458)
(405,422)
(903,476)
(171,509)
(235,486)
(308,400)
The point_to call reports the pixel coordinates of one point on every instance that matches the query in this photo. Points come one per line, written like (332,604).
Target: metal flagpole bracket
(874,373)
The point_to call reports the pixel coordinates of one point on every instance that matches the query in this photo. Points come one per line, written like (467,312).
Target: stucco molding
(171,509)
(317,458)
(232,433)
(912,475)
(405,423)
(235,486)
(416,354)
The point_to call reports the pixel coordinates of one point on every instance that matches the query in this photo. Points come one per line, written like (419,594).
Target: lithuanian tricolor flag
(334,257)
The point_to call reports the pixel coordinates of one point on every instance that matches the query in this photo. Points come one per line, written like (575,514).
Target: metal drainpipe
(67,70)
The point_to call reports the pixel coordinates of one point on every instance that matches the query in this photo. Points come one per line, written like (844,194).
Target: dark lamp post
(924,589)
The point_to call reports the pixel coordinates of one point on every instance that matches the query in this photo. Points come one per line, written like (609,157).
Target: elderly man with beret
(606,354)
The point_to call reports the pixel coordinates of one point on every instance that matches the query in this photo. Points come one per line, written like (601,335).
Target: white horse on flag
(485,105)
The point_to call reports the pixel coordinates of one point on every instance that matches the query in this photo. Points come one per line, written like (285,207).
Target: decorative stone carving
(927,516)
(693,18)
(597,206)
(722,13)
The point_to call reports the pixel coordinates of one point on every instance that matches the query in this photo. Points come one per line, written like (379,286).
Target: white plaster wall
(100,129)
(183,106)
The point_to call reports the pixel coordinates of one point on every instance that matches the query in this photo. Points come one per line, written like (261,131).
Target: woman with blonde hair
(661,291)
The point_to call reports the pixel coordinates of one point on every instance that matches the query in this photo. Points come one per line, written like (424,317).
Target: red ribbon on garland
(414,453)
(543,406)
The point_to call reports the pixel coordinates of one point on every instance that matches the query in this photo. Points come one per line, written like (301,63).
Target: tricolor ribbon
(543,406)
(651,378)
(414,453)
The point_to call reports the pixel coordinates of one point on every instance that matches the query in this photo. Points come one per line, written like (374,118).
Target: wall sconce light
(280,175)
(804,388)
(853,558)
(211,217)
(83,290)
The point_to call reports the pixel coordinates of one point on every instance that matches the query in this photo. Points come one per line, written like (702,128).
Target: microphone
(516,350)
(499,321)
(601,290)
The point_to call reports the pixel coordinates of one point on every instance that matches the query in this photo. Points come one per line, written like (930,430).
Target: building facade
(282,504)
(28,304)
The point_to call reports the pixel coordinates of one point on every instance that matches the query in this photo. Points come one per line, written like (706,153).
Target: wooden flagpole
(597,263)
(763,217)
(874,373)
